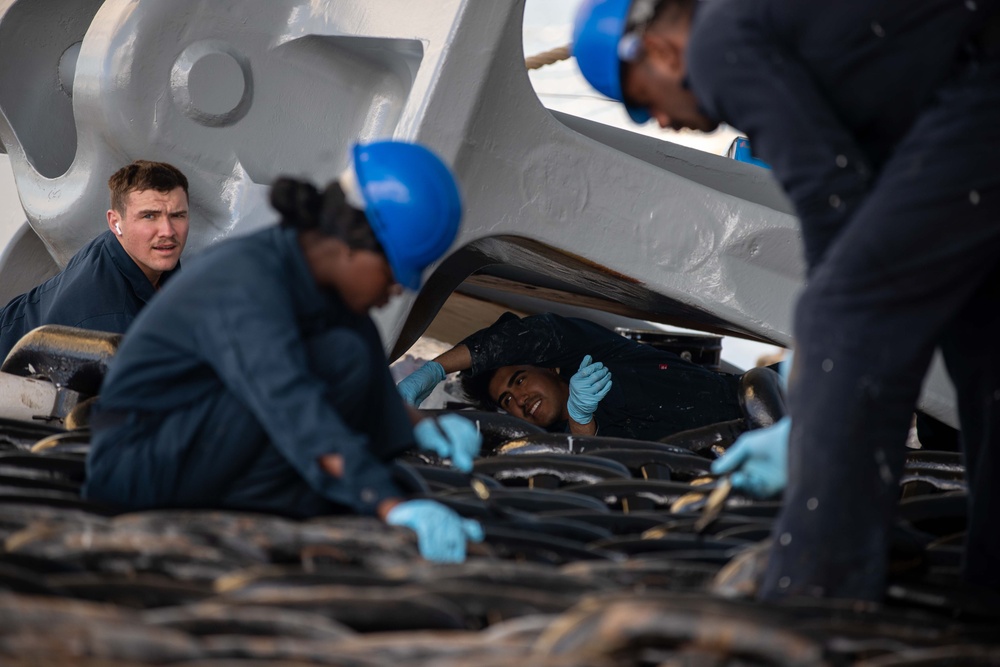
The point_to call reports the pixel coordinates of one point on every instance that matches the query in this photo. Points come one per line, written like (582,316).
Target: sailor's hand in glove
(418,385)
(758,460)
(587,387)
(450,437)
(441,533)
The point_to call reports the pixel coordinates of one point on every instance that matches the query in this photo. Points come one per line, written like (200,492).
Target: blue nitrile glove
(441,533)
(450,437)
(418,385)
(759,459)
(590,383)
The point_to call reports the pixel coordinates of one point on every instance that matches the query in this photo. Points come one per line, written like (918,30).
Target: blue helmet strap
(640,13)
(630,47)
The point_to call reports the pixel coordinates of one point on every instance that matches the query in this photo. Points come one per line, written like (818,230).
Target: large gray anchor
(555,206)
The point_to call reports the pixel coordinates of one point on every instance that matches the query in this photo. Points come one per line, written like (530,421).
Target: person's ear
(114,222)
(664,53)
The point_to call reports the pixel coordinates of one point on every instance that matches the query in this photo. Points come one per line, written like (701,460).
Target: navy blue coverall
(654,393)
(101,288)
(235,380)
(880,119)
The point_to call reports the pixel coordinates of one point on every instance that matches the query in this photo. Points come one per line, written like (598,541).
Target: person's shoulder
(92,267)
(82,296)
(717,25)
(714,12)
(14,309)
(244,264)
(588,325)
(79,274)
(257,246)
(92,252)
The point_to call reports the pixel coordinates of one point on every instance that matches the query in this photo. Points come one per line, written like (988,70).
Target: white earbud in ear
(118,228)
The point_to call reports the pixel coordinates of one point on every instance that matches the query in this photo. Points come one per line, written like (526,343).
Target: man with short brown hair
(106,284)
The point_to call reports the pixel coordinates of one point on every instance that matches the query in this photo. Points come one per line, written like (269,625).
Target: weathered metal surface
(26,399)
(76,359)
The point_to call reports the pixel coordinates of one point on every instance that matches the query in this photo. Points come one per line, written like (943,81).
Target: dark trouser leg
(270,482)
(935,434)
(973,360)
(902,270)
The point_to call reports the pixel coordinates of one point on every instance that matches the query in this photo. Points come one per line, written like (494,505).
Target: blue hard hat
(740,151)
(412,204)
(599,41)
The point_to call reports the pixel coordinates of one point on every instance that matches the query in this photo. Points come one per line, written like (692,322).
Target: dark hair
(665,8)
(144,175)
(303,207)
(477,387)
(644,13)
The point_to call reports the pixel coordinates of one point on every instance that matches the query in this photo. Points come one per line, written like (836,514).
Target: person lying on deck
(566,373)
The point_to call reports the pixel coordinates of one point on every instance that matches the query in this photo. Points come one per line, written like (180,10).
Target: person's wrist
(384,507)
(333,465)
(437,370)
(581,417)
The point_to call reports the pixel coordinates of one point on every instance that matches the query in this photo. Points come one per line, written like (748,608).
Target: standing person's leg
(973,359)
(909,260)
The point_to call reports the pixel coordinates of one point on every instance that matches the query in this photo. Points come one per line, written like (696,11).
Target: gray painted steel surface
(237,93)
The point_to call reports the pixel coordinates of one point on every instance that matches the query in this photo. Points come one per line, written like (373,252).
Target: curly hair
(477,388)
(302,207)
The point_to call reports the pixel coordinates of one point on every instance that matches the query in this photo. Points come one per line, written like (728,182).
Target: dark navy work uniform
(232,384)
(653,394)
(880,119)
(101,288)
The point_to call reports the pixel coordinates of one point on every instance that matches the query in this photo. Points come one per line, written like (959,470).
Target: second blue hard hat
(599,44)
(411,202)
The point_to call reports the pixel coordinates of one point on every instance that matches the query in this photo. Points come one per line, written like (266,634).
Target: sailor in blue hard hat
(879,121)
(257,380)
(634,51)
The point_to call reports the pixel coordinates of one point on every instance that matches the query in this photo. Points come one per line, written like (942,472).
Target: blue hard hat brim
(638,114)
(411,280)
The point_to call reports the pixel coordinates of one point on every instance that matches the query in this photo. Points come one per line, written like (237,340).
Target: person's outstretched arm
(418,385)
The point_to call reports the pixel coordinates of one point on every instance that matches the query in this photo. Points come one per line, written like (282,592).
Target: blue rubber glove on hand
(590,383)
(441,533)
(450,437)
(758,460)
(418,385)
